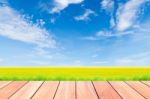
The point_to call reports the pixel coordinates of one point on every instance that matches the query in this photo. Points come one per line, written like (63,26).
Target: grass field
(75,73)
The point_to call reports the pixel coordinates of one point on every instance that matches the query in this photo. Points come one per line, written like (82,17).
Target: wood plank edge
(135,89)
(18,90)
(37,90)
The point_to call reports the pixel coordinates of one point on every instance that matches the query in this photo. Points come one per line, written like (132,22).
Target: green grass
(75,73)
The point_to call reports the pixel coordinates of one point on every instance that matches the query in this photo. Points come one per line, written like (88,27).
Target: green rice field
(75,73)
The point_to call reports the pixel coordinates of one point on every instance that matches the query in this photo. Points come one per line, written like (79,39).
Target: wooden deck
(74,90)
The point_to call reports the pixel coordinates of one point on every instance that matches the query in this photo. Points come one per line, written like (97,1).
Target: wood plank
(70,90)
(125,91)
(146,82)
(105,91)
(9,90)
(66,90)
(140,87)
(85,90)
(47,90)
(4,83)
(27,91)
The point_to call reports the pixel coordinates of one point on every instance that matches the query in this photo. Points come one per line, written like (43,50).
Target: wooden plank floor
(74,90)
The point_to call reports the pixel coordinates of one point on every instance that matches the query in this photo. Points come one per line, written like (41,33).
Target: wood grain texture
(9,90)
(140,87)
(147,83)
(125,91)
(85,90)
(66,90)
(4,83)
(27,91)
(74,90)
(105,91)
(47,90)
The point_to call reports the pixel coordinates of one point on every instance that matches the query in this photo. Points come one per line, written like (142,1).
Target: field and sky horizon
(93,39)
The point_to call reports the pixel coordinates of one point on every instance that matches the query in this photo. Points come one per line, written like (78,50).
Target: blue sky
(74,33)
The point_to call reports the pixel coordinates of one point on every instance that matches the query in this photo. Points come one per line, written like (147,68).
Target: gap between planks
(74,89)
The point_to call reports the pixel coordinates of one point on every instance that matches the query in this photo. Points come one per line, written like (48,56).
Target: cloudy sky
(75,32)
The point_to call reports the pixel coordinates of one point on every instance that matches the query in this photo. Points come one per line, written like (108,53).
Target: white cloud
(1,60)
(40,51)
(39,63)
(138,44)
(135,60)
(110,34)
(40,22)
(107,5)
(106,34)
(95,55)
(128,13)
(126,17)
(91,38)
(62,4)
(15,26)
(85,16)
(100,62)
